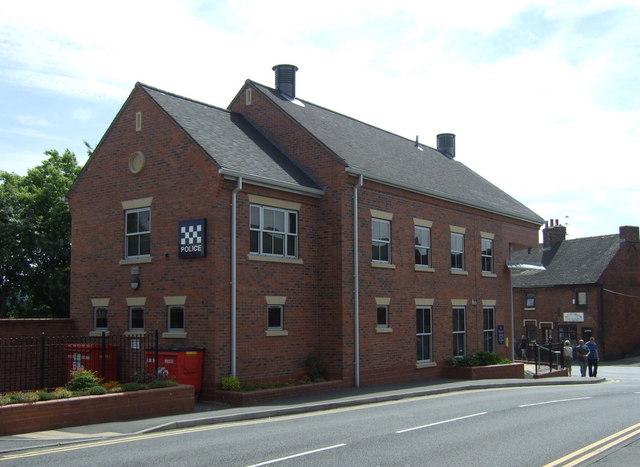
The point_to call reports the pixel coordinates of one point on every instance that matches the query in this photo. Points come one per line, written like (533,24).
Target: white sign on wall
(573,317)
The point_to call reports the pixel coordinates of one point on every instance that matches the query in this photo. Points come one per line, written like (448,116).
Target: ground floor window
(136,318)
(176,319)
(459,331)
(423,334)
(275,317)
(100,318)
(488,329)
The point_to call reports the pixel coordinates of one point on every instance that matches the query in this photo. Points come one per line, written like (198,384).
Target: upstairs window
(423,246)
(381,240)
(487,255)
(138,233)
(457,251)
(273,231)
(530,300)
(581,299)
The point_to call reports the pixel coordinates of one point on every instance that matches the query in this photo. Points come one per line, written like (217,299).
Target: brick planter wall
(243,398)
(87,410)
(511,370)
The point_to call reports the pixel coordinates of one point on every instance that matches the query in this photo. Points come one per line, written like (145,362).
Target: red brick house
(589,287)
(278,229)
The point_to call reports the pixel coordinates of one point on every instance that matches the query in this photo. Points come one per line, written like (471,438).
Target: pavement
(207,413)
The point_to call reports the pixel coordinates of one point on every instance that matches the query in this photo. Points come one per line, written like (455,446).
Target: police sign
(192,238)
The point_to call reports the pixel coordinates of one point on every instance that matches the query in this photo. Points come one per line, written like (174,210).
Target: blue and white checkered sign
(193,238)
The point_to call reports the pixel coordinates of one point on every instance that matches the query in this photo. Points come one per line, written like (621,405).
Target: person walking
(592,358)
(524,345)
(581,353)
(567,353)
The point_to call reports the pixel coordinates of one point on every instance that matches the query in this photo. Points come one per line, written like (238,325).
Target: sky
(542,95)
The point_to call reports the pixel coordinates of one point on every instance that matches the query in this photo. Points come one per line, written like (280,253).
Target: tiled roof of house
(232,142)
(569,262)
(389,158)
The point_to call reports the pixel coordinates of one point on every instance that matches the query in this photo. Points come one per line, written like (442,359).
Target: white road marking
(293,456)
(555,402)
(440,423)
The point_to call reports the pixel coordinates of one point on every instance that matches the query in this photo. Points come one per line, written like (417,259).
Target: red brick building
(589,287)
(278,229)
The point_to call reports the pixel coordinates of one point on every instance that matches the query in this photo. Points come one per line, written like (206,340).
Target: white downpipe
(356,282)
(234,285)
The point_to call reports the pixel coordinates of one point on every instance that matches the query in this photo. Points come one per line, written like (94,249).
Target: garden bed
(244,398)
(503,371)
(88,410)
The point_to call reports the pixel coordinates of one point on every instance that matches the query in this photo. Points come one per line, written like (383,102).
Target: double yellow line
(592,450)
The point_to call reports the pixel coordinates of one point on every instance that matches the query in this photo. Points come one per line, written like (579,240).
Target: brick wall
(36,326)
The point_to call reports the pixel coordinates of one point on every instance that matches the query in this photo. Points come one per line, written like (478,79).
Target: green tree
(35,238)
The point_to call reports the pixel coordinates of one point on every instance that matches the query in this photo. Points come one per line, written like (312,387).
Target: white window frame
(486,245)
(288,234)
(529,300)
(96,310)
(489,329)
(138,234)
(581,298)
(382,311)
(378,242)
(459,335)
(276,309)
(457,251)
(170,310)
(426,234)
(133,309)
(424,335)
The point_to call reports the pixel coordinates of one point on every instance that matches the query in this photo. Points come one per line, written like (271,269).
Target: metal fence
(30,363)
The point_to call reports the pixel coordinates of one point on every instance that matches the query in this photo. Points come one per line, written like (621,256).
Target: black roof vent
(447,144)
(286,79)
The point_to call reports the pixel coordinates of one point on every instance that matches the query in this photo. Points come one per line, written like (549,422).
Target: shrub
(45,395)
(162,383)
(479,359)
(315,368)
(230,383)
(4,399)
(82,380)
(97,390)
(62,393)
(24,397)
(133,386)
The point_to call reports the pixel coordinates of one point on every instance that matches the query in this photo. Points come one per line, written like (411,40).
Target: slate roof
(570,262)
(232,142)
(389,158)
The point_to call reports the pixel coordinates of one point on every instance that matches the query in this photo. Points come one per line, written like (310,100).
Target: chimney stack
(286,79)
(629,233)
(553,233)
(447,144)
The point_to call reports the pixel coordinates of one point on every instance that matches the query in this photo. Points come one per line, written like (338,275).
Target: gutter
(439,195)
(271,183)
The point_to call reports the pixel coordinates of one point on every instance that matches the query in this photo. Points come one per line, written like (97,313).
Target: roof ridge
(178,96)
(350,118)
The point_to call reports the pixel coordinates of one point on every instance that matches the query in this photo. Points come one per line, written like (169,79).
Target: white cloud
(542,94)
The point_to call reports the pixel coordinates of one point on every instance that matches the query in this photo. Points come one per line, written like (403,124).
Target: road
(541,425)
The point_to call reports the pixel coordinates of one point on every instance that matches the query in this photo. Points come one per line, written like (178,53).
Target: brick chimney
(629,233)
(553,233)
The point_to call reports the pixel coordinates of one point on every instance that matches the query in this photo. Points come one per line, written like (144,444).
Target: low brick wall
(244,398)
(511,370)
(87,410)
